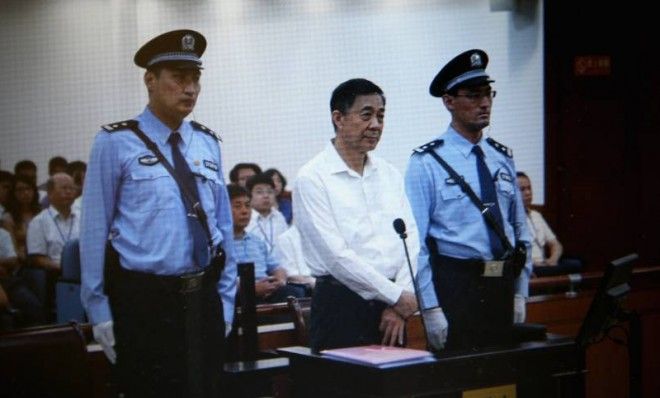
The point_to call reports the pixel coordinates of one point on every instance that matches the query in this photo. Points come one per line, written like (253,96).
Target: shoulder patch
(204,129)
(428,146)
(506,151)
(116,126)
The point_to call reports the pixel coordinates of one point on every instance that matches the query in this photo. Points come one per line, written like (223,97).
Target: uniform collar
(265,218)
(159,132)
(335,164)
(464,146)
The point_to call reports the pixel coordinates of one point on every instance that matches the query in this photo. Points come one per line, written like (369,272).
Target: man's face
(240,212)
(173,92)
(263,197)
(24,193)
(470,107)
(525,187)
(244,175)
(63,192)
(360,128)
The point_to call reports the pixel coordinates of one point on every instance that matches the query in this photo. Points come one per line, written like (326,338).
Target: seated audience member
(23,207)
(77,170)
(56,164)
(270,278)
(6,184)
(16,292)
(288,251)
(282,197)
(26,168)
(54,226)
(240,173)
(266,222)
(543,239)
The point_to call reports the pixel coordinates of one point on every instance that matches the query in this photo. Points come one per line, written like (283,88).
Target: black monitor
(605,309)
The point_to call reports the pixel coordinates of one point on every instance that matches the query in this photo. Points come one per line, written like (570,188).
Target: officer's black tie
(489,198)
(200,242)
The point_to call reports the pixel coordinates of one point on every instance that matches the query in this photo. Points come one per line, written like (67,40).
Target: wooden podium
(549,368)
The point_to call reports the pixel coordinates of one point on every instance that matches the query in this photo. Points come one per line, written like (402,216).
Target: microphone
(400,228)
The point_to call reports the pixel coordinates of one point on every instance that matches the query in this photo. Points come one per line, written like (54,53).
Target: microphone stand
(403,236)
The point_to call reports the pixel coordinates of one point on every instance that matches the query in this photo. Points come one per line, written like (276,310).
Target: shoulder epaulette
(428,146)
(116,126)
(506,151)
(204,129)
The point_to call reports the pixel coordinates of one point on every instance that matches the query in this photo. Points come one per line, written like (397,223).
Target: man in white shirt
(54,226)
(543,238)
(345,200)
(288,251)
(47,234)
(266,221)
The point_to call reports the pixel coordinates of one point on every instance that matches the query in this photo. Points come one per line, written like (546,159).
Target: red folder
(379,355)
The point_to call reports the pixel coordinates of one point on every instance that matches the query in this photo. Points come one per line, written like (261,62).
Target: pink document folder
(377,355)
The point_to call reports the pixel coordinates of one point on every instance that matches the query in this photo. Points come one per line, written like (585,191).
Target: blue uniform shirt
(252,249)
(131,198)
(447,214)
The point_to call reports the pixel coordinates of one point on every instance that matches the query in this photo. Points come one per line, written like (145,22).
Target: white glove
(519,310)
(437,327)
(105,336)
(227,329)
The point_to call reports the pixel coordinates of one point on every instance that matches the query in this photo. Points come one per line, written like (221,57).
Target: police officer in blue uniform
(464,281)
(158,270)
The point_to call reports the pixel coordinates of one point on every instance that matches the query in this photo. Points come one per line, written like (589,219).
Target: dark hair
(56,162)
(521,174)
(344,95)
(15,207)
(235,191)
(6,176)
(271,172)
(74,169)
(256,179)
(24,165)
(233,174)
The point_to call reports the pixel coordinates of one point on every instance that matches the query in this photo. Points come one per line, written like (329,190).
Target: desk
(539,369)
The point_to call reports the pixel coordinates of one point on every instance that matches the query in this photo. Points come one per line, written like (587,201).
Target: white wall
(270,69)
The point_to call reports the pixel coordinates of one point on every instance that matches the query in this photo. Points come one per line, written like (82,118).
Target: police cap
(178,48)
(466,69)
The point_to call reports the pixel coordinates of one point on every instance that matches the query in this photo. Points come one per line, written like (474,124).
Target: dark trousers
(341,318)
(23,298)
(169,333)
(479,309)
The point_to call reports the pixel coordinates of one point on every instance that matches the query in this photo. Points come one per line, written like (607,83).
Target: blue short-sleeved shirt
(252,249)
(130,198)
(444,212)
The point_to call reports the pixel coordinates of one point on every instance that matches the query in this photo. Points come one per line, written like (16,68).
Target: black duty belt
(485,268)
(183,284)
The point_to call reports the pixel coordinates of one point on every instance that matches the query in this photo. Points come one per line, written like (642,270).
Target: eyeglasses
(262,192)
(474,97)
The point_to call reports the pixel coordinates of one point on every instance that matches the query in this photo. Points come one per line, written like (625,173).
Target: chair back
(48,361)
(70,261)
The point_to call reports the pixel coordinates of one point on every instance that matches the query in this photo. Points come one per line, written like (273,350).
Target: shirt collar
(264,218)
(56,214)
(335,164)
(464,146)
(158,131)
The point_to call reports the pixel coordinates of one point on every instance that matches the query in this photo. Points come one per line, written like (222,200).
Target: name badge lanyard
(269,239)
(68,236)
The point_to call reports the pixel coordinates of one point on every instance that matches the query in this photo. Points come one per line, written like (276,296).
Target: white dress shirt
(345,223)
(541,234)
(288,251)
(268,227)
(49,231)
